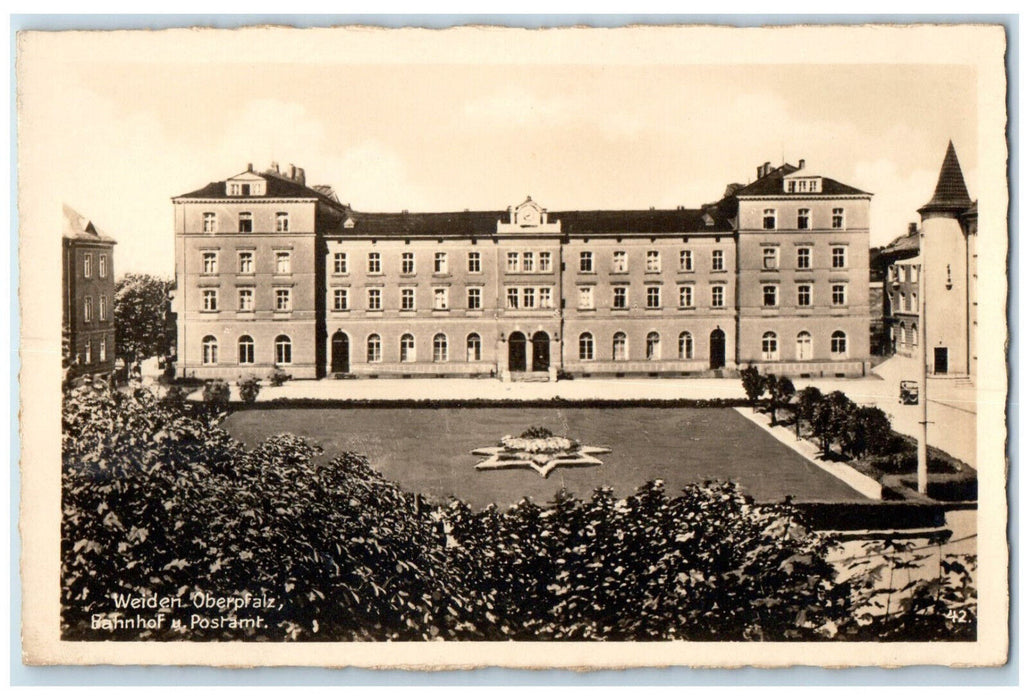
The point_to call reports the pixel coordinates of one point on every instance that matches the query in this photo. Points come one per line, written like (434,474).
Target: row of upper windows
(86,357)
(804,347)
(87,308)
(804,258)
(87,265)
(245,262)
(245,222)
(620,261)
(620,297)
(805,219)
(805,297)
(904,273)
(283,299)
(907,302)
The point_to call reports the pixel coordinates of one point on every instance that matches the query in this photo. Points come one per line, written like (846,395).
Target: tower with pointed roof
(949,226)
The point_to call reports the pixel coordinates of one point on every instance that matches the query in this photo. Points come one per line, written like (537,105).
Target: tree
(808,398)
(141,312)
(867,431)
(830,419)
(753,384)
(780,391)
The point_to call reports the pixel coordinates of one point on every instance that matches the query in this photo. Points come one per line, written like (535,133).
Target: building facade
(272,273)
(87,267)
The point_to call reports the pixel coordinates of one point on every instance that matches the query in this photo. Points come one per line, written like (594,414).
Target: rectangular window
(407,299)
(246,263)
(210,263)
(283,299)
(474,262)
(407,263)
(718,296)
(512,262)
(685,261)
(546,298)
(585,261)
(283,263)
(340,299)
(440,263)
(839,295)
(339,264)
(586,298)
(246,222)
(87,265)
(914,273)
(653,261)
(102,266)
(837,217)
(770,258)
(440,299)
(803,218)
(545,262)
(620,299)
(210,300)
(529,298)
(87,309)
(839,257)
(103,307)
(210,222)
(717,261)
(685,297)
(528,262)
(620,263)
(653,297)
(246,300)
(374,263)
(474,298)
(375,300)
(770,295)
(803,258)
(804,295)
(768,219)
(512,297)
(281,222)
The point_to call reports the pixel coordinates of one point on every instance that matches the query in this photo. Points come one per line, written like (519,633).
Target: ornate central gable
(528,217)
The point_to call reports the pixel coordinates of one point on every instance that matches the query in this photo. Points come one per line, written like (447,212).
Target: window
(89,352)
(685,261)
(546,298)
(717,260)
(283,262)
(102,264)
(914,301)
(512,262)
(246,222)
(283,299)
(407,299)
(374,348)
(770,295)
(837,217)
(653,346)
(374,263)
(546,262)
(283,350)
(87,309)
(586,346)
(768,219)
(474,262)
(340,299)
(440,299)
(839,257)
(770,258)
(914,273)
(838,344)
(103,307)
(407,263)
(619,347)
(803,345)
(281,222)
(653,297)
(529,298)
(474,298)
(685,346)
(87,265)
(210,263)
(914,334)
(718,296)
(439,348)
(620,262)
(685,297)
(512,297)
(905,303)
(586,297)
(653,261)
(473,348)
(839,295)
(803,258)
(528,262)
(407,348)
(440,263)
(375,300)
(246,300)
(621,298)
(585,261)
(103,349)
(246,350)
(210,300)
(210,222)
(339,263)
(210,350)
(769,346)
(246,263)
(803,218)
(803,295)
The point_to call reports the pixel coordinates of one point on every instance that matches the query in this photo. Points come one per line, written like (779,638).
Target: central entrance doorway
(340,353)
(717,352)
(540,352)
(940,361)
(516,352)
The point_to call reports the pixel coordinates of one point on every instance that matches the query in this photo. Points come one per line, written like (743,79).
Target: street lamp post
(923,434)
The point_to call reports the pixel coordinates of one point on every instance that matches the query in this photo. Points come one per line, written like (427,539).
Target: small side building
(87,271)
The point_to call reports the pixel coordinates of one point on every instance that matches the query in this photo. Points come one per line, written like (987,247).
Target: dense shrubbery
(249,388)
(157,501)
(278,376)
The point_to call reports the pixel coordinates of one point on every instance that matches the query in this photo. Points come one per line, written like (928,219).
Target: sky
(117,133)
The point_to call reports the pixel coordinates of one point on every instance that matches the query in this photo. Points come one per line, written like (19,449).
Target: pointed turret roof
(951,194)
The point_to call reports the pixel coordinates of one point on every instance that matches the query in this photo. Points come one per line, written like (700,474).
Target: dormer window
(246,188)
(802,184)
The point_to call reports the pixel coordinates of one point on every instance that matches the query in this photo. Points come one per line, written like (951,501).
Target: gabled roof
(771,186)
(951,194)
(78,227)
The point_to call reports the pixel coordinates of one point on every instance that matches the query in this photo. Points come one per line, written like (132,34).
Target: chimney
(250,167)
(301,178)
(274,167)
(912,228)
(760,171)
(800,164)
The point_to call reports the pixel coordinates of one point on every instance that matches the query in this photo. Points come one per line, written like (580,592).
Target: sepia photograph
(575,339)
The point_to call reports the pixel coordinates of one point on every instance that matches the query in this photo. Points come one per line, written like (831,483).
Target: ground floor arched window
(246,350)
(619,347)
(210,350)
(804,351)
(407,348)
(374,348)
(586,346)
(770,346)
(283,350)
(439,348)
(685,346)
(474,347)
(653,346)
(838,344)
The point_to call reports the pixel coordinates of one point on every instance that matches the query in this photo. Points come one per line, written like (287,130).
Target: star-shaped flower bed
(540,451)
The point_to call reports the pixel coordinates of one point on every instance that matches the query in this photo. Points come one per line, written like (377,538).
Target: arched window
(838,344)
(210,348)
(769,346)
(407,348)
(914,335)
(586,346)
(474,347)
(439,348)
(653,346)
(685,346)
(804,346)
(103,349)
(283,350)
(246,350)
(374,348)
(89,352)
(619,347)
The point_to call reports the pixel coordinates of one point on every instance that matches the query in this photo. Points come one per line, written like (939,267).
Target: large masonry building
(273,273)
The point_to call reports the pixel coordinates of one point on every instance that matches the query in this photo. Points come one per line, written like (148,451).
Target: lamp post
(923,434)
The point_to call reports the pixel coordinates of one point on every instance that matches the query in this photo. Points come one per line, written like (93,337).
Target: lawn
(429,450)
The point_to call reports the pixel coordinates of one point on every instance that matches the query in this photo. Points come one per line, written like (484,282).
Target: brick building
(87,276)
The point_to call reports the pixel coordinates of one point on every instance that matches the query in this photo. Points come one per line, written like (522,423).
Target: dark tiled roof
(80,228)
(951,193)
(771,185)
(277,187)
(905,246)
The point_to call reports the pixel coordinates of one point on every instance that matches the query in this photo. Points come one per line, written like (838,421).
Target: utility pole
(923,399)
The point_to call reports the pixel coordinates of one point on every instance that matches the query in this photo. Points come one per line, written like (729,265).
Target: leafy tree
(141,317)
(217,394)
(867,431)
(807,401)
(753,384)
(780,391)
(830,419)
